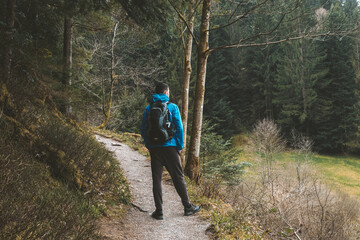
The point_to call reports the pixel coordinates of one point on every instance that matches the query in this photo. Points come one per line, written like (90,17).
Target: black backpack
(159,128)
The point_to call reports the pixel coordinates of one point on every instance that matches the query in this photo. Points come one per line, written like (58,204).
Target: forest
(237,69)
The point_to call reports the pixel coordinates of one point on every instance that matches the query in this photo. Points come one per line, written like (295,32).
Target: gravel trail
(138,223)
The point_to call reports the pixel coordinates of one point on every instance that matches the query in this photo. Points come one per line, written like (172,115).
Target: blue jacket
(175,119)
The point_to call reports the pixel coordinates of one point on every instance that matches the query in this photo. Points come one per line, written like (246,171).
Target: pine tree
(296,97)
(339,124)
(298,72)
(217,106)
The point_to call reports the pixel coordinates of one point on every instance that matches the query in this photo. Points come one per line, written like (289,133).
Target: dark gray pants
(170,158)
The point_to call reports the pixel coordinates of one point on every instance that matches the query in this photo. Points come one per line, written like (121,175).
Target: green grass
(340,172)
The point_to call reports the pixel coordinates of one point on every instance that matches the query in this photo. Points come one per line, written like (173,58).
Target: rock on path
(138,224)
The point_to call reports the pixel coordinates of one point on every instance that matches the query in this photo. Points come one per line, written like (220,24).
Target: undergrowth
(277,200)
(36,206)
(56,180)
(133,140)
(39,197)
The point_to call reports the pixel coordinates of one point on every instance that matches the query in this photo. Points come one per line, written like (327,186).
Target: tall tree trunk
(302,82)
(8,37)
(192,164)
(112,80)
(303,87)
(5,68)
(187,74)
(67,58)
(357,57)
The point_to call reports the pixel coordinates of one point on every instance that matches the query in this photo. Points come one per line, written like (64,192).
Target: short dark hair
(161,87)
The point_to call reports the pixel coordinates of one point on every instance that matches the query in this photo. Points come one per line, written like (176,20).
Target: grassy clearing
(340,172)
(290,194)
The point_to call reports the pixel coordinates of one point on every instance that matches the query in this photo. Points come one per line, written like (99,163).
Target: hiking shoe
(158,215)
(192,209)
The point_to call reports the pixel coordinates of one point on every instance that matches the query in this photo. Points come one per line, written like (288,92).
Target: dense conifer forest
(309,85)
(70,64)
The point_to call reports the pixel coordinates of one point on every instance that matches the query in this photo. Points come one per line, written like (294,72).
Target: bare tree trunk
(112,80)
(357,57)
(192,165)
(5,68)
(303,87)
(67,58)
(187,74)
(8,37)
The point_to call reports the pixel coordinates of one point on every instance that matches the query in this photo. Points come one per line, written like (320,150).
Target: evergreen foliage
(308,85)
(339,125)
(220,162)
(128,112)
(300,78)
(292,83)
(217,106)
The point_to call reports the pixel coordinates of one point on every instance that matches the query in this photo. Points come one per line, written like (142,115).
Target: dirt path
(138,224)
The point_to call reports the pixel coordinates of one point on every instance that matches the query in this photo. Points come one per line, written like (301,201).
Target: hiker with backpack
(163,135)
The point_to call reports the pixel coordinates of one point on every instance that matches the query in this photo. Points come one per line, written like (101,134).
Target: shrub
(226,166)
(220,164)
(128,112)
(56,186)
(314,212)
(265,141)
(35,206)
(97,172)
(292,202)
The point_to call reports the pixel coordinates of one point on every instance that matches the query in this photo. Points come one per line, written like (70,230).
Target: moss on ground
(133,140)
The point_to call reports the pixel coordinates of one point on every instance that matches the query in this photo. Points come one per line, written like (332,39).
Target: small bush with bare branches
(265,141)
(285,200)
(295,203)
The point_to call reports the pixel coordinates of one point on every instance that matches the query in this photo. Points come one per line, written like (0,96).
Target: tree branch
(309,36)
(241,43)
(252,37)
(196,7)
(233,13)
(181,33)
(240,17)
(90,28)
(89,91)
(186,23)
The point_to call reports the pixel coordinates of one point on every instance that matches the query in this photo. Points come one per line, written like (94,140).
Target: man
(167,154)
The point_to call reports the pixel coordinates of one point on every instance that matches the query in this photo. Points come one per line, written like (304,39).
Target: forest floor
(137,222)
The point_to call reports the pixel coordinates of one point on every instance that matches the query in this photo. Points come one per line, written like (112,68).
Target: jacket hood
(160,97)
